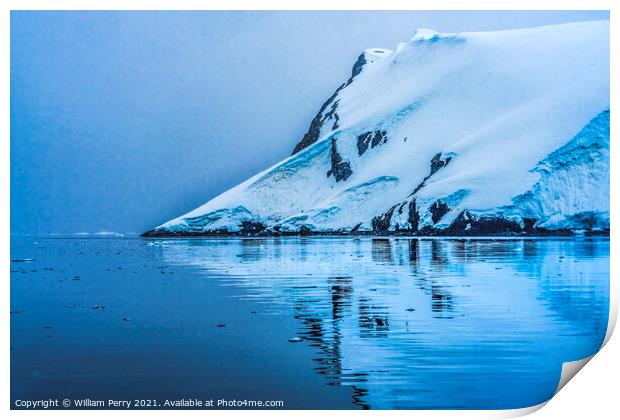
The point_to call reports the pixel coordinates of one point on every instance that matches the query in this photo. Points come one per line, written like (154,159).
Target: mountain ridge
(487,133)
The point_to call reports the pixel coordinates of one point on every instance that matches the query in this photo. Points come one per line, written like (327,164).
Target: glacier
(481,133)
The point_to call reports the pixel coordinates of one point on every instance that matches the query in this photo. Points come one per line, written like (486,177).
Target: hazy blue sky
(123,120)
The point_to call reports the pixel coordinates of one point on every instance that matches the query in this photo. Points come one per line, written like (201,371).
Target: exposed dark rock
(485,226)
(357,68)
(462,224)
(356,228)
(336,119)
(467,224)
(252,228)
(414,215)
(370,139)
(313,133)
(598,232)
(332,111)
(528,223)
(381,224)
(363,141)
(340,169)
(436,164)
(420,186)
(305,230)
(379,137)
(438,210)
(587,219)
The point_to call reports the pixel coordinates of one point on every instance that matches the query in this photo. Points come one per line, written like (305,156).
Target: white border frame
(9,5)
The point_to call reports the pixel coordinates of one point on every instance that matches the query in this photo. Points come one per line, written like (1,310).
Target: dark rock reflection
(430,323)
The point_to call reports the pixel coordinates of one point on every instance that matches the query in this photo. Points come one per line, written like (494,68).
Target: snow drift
(472,133)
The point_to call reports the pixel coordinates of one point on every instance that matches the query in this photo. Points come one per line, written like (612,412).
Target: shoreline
(407,234)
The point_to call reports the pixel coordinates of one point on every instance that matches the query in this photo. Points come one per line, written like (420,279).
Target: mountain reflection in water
(425,323)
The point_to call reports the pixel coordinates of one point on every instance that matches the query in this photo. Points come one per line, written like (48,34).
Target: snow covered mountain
(471,133)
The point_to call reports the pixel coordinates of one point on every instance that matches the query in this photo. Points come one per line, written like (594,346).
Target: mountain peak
(424,34)
(507,133)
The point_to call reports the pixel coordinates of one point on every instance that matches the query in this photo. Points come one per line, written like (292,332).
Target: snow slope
(472,133)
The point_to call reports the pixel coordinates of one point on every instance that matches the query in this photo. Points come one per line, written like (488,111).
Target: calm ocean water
(385,322)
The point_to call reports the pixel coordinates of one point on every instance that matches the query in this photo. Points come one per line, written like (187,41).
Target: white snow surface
(523,116)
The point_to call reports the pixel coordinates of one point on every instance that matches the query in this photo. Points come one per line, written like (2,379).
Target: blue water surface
(386,322)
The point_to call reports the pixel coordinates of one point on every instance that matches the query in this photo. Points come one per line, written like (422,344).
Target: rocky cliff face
(449,134)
